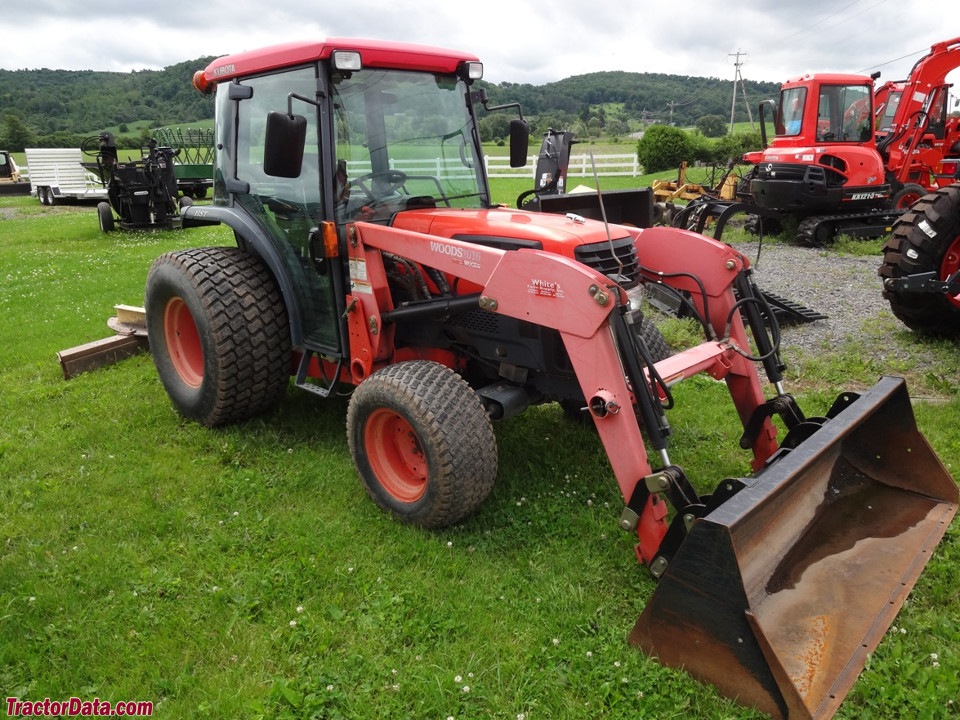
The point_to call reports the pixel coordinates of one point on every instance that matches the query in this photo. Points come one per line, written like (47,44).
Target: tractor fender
(251,237)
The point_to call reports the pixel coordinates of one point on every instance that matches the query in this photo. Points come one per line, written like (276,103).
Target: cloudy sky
(518,40)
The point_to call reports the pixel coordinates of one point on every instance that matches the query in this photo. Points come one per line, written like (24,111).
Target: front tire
(218,333)
(907,196)
(422,443)
(105,217)
(926,239)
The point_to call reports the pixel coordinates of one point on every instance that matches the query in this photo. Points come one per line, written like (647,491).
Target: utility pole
(743,91)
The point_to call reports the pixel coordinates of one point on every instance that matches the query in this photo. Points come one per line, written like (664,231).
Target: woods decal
(462,256)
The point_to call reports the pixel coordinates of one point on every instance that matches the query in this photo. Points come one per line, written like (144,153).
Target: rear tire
(422,444)
(218,333)
(926,239)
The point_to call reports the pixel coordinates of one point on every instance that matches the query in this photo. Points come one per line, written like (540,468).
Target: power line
(737,76)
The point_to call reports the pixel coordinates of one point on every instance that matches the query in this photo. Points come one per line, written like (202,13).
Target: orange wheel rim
(183,342)
(396,455)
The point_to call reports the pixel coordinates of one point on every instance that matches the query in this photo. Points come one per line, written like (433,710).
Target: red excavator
(827,168)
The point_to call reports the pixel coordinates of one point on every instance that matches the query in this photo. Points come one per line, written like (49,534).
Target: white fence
(580,166)
(499,166)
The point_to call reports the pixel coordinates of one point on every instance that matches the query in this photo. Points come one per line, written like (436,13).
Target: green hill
(56,107)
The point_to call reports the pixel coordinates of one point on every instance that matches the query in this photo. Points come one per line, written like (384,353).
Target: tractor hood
(517,227)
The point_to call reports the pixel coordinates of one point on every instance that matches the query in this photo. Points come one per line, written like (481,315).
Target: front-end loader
(370,257)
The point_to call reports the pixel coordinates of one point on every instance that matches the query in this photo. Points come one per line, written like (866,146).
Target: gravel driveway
(844,288)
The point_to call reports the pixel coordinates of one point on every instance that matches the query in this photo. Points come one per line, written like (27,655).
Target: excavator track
(820,230)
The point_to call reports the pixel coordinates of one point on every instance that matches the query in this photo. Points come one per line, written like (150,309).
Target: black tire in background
(422,443)
(105,216)
(218,333)
(926,239)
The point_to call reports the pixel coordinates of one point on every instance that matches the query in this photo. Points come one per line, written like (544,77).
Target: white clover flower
(329,688)
(466,688)
(556,641)
(934,656)
(589,653)
(458,679)
(293,623)
(299,608)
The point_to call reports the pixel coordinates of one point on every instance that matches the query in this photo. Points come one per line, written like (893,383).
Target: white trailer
(57,174)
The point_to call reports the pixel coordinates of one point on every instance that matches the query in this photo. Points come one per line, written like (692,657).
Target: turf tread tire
(452,428)
(242,322)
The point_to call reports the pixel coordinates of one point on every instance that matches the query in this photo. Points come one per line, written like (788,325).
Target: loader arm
(559,293)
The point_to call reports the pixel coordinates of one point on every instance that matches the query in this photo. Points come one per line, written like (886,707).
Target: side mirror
(519,142)
(283,145)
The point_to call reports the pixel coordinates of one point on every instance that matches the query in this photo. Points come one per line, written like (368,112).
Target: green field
(243,573)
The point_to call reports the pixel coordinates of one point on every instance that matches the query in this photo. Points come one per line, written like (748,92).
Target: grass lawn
(243,573)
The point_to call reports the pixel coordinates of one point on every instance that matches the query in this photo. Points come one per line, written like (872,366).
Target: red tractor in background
(828,168)
(371,259)
(916,135)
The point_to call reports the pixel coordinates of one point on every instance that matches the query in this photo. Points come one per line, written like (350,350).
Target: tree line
(59,108)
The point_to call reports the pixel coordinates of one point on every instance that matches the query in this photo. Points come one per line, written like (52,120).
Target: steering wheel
(389,181)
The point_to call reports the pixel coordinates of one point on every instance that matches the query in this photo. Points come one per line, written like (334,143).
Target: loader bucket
(777,595)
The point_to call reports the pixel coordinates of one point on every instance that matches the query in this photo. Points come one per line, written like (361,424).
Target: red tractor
(369,256)
(916,135)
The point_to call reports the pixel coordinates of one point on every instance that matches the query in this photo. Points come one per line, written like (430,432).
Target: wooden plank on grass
(98,353)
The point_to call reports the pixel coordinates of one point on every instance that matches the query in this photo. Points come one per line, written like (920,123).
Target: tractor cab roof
(373,53)
(828,79)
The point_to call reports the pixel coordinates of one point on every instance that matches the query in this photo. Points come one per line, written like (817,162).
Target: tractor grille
(830,176)
(599,257)
(781,171)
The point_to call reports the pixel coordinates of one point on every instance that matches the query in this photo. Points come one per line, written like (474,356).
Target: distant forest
(62,107)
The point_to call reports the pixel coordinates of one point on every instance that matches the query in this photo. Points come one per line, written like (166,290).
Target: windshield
(404,139)
(790,115)
(890,110)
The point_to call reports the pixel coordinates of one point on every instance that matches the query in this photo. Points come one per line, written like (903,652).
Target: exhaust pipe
(777,596)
